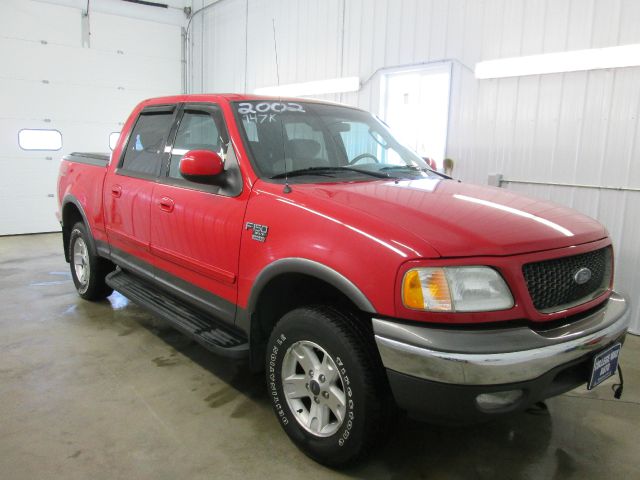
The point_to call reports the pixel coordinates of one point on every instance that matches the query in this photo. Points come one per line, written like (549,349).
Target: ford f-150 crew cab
(303,236)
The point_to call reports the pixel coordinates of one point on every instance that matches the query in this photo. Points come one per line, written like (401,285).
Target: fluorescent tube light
(572,61)
(319,87)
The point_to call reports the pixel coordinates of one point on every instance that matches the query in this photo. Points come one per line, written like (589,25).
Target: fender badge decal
(259,231)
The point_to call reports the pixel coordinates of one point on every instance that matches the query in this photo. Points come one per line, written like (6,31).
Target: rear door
(196,228)
(128,192)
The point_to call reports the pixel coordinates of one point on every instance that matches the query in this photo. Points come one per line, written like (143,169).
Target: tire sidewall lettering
(347,426)
(274,379)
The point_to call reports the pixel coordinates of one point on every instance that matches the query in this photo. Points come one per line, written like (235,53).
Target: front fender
(313,269)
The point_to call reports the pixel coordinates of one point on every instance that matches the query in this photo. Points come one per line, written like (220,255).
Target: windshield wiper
(413,168)
(326,171)
(323,171)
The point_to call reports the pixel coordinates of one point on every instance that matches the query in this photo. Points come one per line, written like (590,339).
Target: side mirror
(202,166)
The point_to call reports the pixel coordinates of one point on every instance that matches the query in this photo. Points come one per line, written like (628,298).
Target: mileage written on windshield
(266,111)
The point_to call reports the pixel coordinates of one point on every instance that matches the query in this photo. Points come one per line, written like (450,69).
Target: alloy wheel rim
(81,261)
(313,388)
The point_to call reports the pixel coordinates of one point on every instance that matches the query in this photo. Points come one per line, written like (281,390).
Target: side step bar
(205,330)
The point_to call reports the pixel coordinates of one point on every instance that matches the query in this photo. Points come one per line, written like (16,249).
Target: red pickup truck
(305,237)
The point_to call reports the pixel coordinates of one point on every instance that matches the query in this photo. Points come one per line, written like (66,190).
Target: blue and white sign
(605,365)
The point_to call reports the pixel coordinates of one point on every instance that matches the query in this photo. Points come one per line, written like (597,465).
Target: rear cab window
(144,151)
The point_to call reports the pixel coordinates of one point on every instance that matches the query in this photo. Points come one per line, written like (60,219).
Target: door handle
(116,191)
(166,204)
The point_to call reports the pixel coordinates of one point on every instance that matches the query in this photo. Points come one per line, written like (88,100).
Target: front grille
(552,285)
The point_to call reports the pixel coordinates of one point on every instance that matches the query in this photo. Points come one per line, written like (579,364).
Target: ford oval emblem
(582,276)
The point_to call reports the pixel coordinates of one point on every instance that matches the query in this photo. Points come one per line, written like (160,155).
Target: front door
(196,228)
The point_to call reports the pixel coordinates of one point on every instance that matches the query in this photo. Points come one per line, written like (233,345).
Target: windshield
(320,140)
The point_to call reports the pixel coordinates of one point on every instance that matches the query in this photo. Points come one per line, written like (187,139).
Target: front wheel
(87,269)
(327,384)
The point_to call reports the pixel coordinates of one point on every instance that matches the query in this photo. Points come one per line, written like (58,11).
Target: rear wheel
(87,269)
(327,384)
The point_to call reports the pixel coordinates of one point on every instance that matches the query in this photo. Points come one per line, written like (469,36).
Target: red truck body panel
(463,220)
(334,224)
(371,232)
(84,182)
(200,240)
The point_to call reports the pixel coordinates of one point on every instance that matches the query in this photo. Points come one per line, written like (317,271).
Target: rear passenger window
(147,140)
(198,130)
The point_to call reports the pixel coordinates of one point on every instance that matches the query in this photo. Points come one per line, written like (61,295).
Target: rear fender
(66,229)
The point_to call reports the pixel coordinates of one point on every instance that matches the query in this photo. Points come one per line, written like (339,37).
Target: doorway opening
(415,105)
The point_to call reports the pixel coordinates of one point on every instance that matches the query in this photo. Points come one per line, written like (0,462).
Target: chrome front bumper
(496,356)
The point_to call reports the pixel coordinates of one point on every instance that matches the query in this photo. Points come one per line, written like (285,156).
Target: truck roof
(231,97)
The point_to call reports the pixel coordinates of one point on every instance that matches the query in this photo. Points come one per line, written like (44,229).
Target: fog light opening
(498,400)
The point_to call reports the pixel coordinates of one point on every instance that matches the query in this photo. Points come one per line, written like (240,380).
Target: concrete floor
(106,391)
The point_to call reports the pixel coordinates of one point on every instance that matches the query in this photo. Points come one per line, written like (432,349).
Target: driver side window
(198,131)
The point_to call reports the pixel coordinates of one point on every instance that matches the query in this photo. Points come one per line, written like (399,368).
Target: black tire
(369,406)
(93,286)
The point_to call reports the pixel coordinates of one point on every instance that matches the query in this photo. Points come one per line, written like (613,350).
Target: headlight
(455,289)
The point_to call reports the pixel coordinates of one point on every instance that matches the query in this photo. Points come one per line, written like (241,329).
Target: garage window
(39,139)
(113,139)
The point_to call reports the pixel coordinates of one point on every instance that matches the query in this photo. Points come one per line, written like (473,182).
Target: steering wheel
(363,156)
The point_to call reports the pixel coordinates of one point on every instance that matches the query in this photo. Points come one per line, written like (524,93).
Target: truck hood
(461,220)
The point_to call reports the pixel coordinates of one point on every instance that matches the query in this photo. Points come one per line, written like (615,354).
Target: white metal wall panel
(226,26)
(38,17)
(48,80)
(579,127)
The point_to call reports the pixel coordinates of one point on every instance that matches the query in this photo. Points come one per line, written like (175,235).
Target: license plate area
(604,365)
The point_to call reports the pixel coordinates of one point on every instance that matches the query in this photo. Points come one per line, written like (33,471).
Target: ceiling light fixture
(560,62)
(318,87)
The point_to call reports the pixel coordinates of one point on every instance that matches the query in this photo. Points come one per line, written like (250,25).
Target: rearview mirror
(340,127)
(378,138)
(431,162)
(202,166)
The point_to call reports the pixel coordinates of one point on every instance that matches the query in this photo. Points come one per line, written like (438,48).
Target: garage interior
(105,390)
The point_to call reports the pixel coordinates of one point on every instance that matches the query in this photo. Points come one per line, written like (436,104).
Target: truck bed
(89,158)
(80,183)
